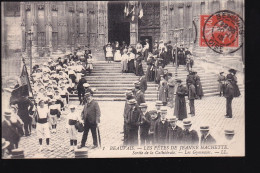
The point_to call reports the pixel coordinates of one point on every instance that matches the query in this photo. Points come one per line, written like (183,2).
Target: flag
(125,9)
(141,12)
(133,15)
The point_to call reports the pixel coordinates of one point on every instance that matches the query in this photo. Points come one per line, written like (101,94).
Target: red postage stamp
(223,29)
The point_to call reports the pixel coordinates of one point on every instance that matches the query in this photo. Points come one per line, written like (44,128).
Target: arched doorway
(118,24)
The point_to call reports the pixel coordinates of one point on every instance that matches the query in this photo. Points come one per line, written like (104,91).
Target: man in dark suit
(23,104)
(132,123)
(206,138)
(189,137)
(174,132)
(143,83)
(91,116)
(144,122)
(160,128)
(229,94)
(139,96)
(191,97)
(81,89)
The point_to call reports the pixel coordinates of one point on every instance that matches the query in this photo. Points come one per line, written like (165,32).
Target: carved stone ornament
(23,23)
(171,7)
(203,2)
(91,12)
(54,8)
(188,4)
(80,10)
(28,7)
(71,9)
(40,7)
(180,5)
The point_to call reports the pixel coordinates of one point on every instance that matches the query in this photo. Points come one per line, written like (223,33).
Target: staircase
(111,84)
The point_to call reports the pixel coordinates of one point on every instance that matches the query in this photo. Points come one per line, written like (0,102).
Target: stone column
(134,29)
(34,30)
(106,22)
(48,29)
(86,22)
(22,12)
(163,19)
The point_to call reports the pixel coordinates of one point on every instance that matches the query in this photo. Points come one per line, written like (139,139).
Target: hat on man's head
(143,105)
(5,143)
(232,70)
(229,132)
(187,122)
(72,107)
(158,103)
(179,81)
(221,72)
(131,102)
(172,118)
(204,128)
(8,113)
(163,109)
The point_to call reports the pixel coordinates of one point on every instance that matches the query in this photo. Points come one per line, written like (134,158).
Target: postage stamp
(222,31)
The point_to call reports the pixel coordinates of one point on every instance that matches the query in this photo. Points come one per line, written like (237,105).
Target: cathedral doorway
(118,24)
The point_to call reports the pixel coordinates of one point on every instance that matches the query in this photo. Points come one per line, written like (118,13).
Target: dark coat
(229,91)
(80,83)
(199,90)
(23,105)
(158,73)
(91,112)
(209,140)
(163,91)
(180,104)
(191,92)
(10,131)
(144,122)
(190,78)
(139,68)
(190,137)
(174,136)
(143,84)
(132,118)
(160,131)
(140,97)
(234,84)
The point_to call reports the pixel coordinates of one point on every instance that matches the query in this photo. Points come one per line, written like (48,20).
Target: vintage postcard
(123,79)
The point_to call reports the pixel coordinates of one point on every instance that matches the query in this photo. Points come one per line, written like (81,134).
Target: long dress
(149,69)
(163,91)
(131,66)
(234,84)
(109,53)
(117,56)
(180,110)
(139,67)
(124,60)
(199,90)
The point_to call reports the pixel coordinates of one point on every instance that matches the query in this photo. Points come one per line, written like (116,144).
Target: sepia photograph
(122,79)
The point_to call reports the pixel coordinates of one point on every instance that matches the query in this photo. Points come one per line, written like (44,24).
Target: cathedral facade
(66,25)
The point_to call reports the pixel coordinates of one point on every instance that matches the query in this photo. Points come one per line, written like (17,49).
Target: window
(12,9)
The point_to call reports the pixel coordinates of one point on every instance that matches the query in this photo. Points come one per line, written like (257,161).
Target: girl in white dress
(109,53)
(124,61)
(117,56)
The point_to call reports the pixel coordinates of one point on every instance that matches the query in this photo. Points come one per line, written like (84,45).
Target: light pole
(30,33)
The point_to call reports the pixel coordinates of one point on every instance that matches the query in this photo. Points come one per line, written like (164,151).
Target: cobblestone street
(209,111)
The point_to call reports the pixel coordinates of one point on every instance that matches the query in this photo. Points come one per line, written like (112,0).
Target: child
(54,113)
(90,64)
(42,126)
(72,119)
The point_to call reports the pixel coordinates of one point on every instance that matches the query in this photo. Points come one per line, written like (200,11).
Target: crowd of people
(50,83)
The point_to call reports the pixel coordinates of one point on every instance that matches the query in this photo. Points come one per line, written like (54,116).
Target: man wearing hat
(81,88)
(143,83)
(139,94)
(144,122)
(5,145)
(229,95)
(171,85)
(161,127)
(158,105)
(221,83)
(206,138)
(153,120)
(174,132)
(191,97)
(198,85)
(23,104)
(87,90)
(189,137)
(132,123)
(180,104)
(91,116)
(139,68)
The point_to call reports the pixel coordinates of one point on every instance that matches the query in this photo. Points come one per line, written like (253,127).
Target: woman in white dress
(124,61)
(117,56)
(109,53)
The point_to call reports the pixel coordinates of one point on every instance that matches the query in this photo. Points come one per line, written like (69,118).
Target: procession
(152,93)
